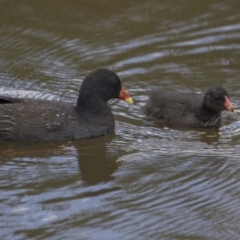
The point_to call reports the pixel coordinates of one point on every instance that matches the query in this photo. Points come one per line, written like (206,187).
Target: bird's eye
(216,97)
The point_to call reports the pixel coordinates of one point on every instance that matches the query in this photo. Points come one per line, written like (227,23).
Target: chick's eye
(216,97)
(116,83)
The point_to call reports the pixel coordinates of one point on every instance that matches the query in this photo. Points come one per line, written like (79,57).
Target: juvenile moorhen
(34,120)
(188,110)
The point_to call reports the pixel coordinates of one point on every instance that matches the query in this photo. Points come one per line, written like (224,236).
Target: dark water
(143,182)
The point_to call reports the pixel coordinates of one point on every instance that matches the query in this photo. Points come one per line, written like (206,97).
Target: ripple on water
(145,181)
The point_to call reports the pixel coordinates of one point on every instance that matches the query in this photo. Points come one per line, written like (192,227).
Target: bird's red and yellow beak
(228,105)
(125,96)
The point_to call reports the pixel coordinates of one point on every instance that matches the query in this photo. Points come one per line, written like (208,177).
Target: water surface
(143,182)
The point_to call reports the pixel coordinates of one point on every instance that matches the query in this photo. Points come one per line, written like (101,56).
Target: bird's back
(174,109)
(31,120)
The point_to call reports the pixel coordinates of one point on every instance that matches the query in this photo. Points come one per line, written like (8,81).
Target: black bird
(34,120)
(188,110)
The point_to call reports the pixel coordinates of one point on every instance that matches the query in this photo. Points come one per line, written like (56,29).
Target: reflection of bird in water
(14,150)
(96,163)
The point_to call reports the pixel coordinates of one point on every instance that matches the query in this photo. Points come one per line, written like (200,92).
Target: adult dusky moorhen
(188,110)
(35,120)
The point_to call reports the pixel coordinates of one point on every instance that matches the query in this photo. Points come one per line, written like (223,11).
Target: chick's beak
(125,96)
(228,105)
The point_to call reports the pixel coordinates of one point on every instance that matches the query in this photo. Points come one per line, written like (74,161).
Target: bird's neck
(97,116)
(94,109)
(210,117)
